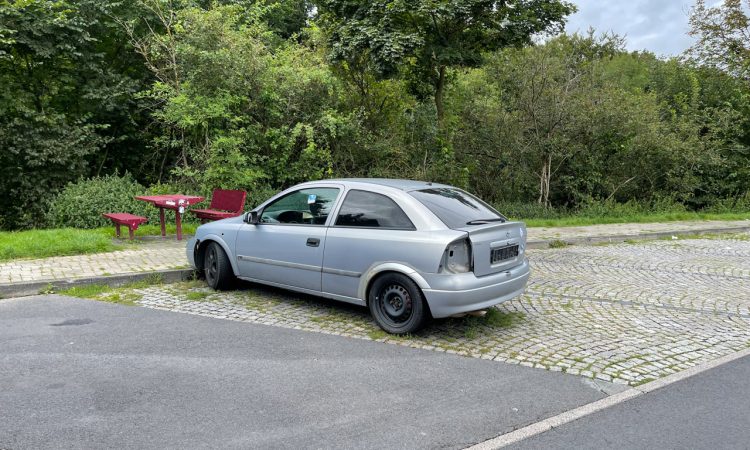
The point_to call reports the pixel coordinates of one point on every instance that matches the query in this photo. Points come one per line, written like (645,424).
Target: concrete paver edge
(590,408)
(615,238)
(34,287)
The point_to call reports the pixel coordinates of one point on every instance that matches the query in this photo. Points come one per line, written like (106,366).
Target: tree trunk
(545,177)
(439,92)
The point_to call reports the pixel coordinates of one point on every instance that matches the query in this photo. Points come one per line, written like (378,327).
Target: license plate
(503,253)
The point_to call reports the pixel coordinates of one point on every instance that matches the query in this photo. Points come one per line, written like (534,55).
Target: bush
(598,208)
(525,211)
(729,205)
(81,204)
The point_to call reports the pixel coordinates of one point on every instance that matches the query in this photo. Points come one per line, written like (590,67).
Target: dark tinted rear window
(371,210)
(455,207)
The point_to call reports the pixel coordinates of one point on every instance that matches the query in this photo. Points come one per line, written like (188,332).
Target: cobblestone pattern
(142,257)
(622,313)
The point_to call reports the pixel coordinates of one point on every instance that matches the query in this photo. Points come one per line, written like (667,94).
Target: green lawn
(71,241)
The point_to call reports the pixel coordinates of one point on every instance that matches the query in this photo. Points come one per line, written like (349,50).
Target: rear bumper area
(459,293)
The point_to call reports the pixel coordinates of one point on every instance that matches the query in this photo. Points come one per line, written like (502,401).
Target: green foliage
(192,95)
(527,211)
(81,204)
(64,99)
(721,30)
(243,113)
(578,121)
(423,39)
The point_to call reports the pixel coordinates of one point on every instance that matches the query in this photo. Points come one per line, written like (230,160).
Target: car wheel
(217,268)
(397,304)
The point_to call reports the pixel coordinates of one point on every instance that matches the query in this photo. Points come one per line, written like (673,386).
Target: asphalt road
(84,374)
(708,411)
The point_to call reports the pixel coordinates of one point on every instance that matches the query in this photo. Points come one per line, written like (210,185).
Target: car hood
(220,226)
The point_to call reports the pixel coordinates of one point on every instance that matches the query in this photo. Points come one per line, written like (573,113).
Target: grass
(87,291)
(492,319)
(196,295)
(558,244)
(122,295)
(643,381)
(377,334)
(583,220)
(56,242)
(71,241)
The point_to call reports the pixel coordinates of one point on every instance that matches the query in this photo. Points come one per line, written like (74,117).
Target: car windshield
(457,208)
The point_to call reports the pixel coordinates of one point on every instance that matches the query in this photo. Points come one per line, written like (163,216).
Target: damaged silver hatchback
(408,250)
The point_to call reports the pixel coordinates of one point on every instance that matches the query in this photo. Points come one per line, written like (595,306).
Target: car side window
(371,210)
(305,206)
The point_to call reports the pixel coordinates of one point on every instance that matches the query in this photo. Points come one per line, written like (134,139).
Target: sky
(659,26)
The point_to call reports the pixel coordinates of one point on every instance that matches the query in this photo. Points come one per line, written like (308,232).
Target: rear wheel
(397,304)
(217,268)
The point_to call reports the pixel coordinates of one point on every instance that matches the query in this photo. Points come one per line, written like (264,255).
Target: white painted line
(582,411)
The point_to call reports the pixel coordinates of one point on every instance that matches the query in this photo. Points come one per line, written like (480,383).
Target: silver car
(408,250)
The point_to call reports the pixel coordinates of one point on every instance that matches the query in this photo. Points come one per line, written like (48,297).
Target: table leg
(161,221)
(178,223)
(117,229)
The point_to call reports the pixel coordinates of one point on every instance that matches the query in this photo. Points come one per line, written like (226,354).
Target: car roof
(404,185)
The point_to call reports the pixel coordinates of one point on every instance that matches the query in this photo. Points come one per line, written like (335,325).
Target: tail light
(457,257)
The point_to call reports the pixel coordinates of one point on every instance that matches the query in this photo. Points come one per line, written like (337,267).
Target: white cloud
(659,26)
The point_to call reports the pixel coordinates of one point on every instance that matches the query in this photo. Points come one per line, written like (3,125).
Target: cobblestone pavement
(626,313)
(144,256)
(631,229)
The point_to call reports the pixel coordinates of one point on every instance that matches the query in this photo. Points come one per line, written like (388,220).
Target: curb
(582,411)
(34,287)
(618,238)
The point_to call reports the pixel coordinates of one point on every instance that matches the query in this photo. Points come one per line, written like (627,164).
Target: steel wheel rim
(212,268)
(396,304)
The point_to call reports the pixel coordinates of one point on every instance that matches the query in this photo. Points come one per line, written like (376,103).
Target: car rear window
(371,210)
(455,207)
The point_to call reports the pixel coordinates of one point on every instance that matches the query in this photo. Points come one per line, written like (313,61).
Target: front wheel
(397,304)
(217,268)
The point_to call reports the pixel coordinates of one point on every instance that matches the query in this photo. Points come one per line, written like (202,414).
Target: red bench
(224,204)
(129,220)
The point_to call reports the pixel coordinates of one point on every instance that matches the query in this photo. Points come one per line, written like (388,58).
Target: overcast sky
(659,26)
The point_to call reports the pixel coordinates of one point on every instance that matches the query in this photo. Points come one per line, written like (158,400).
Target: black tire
(397,304)
(216,266)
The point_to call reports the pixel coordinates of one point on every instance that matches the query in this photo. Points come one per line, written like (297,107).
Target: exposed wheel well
(387,272)
(200,252)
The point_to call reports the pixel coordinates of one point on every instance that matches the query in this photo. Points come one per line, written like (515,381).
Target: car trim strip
(345,273)
(275,262)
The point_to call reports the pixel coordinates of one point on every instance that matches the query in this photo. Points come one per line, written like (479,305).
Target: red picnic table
(176,202)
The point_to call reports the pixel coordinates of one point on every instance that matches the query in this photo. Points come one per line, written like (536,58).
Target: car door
(286,246)
(370,227)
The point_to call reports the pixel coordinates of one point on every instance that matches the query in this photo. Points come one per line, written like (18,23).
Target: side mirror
(252,217)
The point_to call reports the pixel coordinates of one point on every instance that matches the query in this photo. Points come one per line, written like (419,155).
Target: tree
(546,89)
(61,98)
(234,110)
(423,39)
(723,34)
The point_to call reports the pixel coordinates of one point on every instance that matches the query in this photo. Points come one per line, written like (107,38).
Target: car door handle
(313,242)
